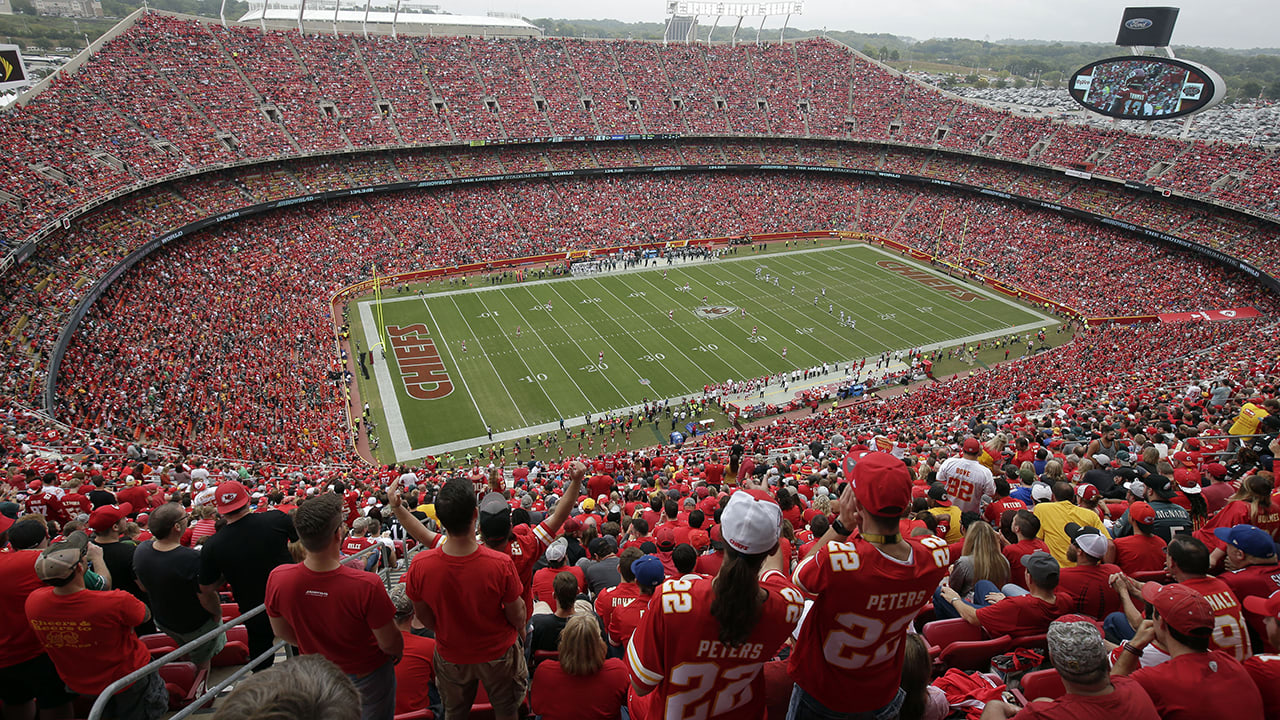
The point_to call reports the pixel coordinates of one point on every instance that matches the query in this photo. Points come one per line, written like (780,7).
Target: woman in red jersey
(700,647)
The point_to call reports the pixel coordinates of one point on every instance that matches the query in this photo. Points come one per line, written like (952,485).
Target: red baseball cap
(882,484)
(972,446)
(665,537)
(1142,513)
(230,497)
(1086,491)
(102,519)
(1182,608)
(1267,607)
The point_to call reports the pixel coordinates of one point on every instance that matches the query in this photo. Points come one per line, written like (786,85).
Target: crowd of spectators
(172,95)
(1049,499)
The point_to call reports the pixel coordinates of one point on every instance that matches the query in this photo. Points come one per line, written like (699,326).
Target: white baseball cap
(557,550)
(751,522)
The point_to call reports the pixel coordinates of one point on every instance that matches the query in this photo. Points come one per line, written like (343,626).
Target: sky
(1213,23)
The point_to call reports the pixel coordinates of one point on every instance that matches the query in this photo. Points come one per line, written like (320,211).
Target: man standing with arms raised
(866,589)
(469,595)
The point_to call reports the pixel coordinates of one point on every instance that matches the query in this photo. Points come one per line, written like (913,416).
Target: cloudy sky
(1217,23)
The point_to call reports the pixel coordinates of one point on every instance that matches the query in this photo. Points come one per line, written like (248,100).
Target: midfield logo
(711,312)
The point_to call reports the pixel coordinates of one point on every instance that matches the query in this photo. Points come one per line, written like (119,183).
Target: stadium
(647,295)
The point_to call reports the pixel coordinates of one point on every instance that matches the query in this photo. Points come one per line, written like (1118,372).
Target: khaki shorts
(506,680)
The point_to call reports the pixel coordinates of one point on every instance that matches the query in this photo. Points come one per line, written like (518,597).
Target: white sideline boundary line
(411,453)
(386,386)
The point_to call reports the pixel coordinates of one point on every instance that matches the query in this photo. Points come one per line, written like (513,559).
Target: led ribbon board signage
(1138,87)
(13,73)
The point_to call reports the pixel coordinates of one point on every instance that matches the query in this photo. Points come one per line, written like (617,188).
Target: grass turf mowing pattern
(552,369)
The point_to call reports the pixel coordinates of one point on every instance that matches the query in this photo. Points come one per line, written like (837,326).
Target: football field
(518,358)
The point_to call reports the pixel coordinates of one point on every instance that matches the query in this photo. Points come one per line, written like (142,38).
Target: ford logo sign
(1138,23)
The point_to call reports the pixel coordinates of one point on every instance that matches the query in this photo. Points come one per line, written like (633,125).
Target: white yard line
(599,335)
(773,394)
(454,360)
(386,385)
(486,357)
(658,332)
(523,319)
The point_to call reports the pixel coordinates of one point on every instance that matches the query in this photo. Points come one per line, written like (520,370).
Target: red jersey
(332,613)
(47,505)
(1235,513)
(466,594)
(557,695)
(863,601)
(1128,701)
(353,545)
(598,485)
(1140,553)
(17,581)
(996,509)
(77,503)
(709,564)
(1091,588)
(1254,581)
(415,671)
(610,598)
(89,635)
(1265,671)
(1197,686)
(676,650)
(529,545)
(625,618)
(1229,633)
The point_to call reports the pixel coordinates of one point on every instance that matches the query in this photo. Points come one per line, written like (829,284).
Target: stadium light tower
(682,17)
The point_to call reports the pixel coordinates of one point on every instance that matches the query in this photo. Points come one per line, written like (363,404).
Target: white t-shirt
(968,482)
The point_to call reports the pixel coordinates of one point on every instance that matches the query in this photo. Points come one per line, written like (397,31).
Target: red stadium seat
(1042,683)
(236,651)
(159,644)
(183,682)
(230,611)
(423,714)
(973,654)
(1040,641)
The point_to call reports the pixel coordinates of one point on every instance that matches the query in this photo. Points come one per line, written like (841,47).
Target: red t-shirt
(1140,553)
(1198,686)
(89,635)
(709,564)
(1265,671)
(676,650)
(543,582)
(863,601)
(1013,553)
(414,673)
(332,613)
(996,509)
(1129,701)
(17,641)
(626,617)
(1229,632)
(598,485)
(621,595)
(557,695)
(466,594)
(1090,587)
(1024,615)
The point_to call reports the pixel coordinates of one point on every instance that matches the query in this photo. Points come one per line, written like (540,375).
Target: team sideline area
(418,378)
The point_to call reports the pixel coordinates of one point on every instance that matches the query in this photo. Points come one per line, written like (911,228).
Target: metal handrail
(100,705)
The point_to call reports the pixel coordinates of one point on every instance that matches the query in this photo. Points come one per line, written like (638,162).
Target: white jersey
(968,482)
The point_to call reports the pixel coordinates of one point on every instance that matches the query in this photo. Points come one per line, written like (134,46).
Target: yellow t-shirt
(1054,517)
(951,517)
(1247,421)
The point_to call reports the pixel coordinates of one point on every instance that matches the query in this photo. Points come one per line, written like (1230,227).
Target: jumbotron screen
(13,73)
(1145,88)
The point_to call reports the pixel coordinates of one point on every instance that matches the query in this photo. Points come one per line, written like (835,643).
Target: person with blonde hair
(582,684)
(1250,505)
(980,559)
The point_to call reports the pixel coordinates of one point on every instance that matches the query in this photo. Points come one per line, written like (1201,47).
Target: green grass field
(656,343)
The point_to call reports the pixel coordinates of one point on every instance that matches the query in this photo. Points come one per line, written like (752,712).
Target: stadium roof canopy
(382,17)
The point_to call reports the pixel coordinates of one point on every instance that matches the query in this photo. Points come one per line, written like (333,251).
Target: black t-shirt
(171,578)
(119,559)
(98,498)
(245,552)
